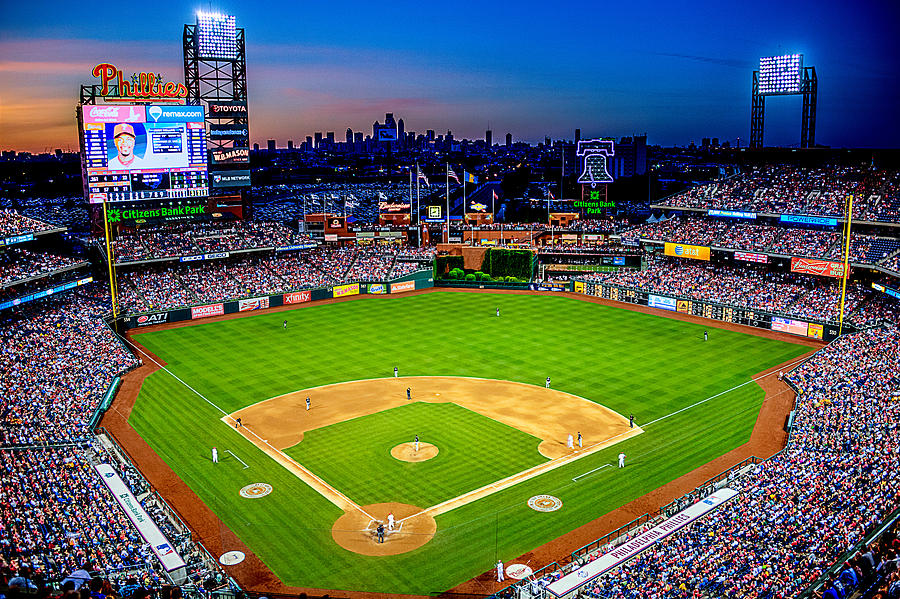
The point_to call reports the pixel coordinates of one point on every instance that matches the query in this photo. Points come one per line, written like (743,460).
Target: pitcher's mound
(355,532)
(407,452)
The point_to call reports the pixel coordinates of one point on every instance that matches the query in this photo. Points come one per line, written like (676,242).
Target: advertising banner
(640,543)
(16,239)
(748,257)
(221,109)
(732,214)
(228,131)
(206,311)
(229,156)
(335,223)
(404,286)
(148,529)
(253,303)
(683,306)
(393,207)
(297,297)
(802,219)
(579,287)
(816,331)
(147,319)
(377,288)
(344,290)
(788,325)
(230,179)
(663,303)
(695,252)
(823,268)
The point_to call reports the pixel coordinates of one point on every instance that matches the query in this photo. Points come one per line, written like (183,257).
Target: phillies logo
(141,85)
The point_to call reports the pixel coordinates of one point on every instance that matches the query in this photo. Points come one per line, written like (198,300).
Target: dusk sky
(676,71)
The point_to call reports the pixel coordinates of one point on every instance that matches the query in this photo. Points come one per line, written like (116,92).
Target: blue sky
(676,71)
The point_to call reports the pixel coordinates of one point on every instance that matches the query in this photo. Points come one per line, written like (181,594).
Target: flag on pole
(421,175)
(550,194)
(451,174)
(470,178)
(496,197)
(381,196)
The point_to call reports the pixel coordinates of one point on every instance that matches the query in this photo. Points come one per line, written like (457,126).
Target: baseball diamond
(477,396)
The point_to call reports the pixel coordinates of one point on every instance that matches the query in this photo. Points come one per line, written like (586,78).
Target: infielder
(408,393)
(307,403)
(391,521)
(499,570)
(631,421)
(417,443)
(580,445)
(622,460)
(215,455)
(548,383)
(569,442)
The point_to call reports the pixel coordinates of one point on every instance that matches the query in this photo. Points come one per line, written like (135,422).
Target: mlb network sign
(695,252)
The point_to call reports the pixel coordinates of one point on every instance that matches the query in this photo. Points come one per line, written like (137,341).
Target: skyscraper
(488,141)
(270,145)
(349,135)
(508,140)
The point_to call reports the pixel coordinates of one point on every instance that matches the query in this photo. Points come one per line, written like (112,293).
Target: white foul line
(590,471)
(693,405)
(238,459)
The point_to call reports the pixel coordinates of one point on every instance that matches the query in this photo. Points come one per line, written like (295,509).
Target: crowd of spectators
(799,511)
(785,189)
(17,264)
(202,238)
(753,287)
(12,224)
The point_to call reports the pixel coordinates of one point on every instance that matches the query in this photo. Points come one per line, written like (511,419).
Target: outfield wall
(784,323)
(262,302)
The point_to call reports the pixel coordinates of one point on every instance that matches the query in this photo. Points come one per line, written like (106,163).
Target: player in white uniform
(569,442)
(548,383)
(499,570)
(391,521)
(622,460)
(215,455)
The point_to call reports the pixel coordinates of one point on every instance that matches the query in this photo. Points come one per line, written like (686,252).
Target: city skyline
(678,76)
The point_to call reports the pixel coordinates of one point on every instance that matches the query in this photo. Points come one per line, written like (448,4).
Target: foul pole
(848,217)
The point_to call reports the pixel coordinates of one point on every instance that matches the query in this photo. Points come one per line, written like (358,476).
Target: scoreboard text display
(144,152)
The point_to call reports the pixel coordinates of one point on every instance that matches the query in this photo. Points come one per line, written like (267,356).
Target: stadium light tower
(215,72)
(784,76)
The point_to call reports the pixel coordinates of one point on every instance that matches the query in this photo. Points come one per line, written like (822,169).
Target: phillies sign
(140,86)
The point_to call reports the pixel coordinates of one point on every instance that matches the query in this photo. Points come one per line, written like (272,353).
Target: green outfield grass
(631,362)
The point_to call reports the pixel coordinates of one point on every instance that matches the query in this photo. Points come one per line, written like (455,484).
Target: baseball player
(622,460)
(215,455)
(380,531)
(498,312)
(499,570)
(237,423)
(631,421)
(408,393)
(284,324)
(706,335)
(396,372)
(580,444)
(391,521)
(569,442)
(307,403)
(417,443)
(548,383)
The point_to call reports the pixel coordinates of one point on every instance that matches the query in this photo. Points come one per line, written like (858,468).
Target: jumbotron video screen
(144,152)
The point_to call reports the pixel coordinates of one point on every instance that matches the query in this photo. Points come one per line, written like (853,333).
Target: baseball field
(491,435)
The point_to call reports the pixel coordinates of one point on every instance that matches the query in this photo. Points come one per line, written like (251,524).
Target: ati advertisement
(145,320)
(144,152)
(823,268)
(297,297)
(695,252)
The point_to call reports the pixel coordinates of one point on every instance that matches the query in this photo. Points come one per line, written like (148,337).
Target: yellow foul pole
(848,217)
(109,262)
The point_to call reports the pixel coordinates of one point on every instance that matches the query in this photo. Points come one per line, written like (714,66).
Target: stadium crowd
(202,238)
(758,288)
(18,264)
(12,223)
(799,511)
